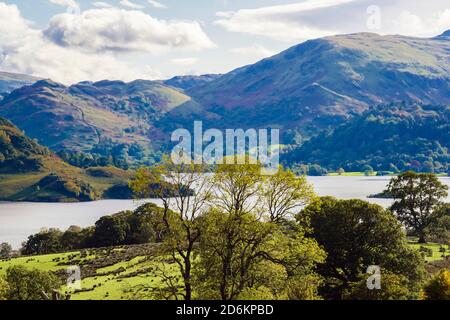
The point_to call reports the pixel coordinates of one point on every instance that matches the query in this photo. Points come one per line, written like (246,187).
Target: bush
(427,252)
(24,284)
(438,288)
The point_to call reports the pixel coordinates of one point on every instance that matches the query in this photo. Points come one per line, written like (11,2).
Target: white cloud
(185,61)
(101,4)
(279,22)
(129,4)
(317,18)
(255,52)
(411,24)
(26,50)
(112,29)
(65,3)
(156,4)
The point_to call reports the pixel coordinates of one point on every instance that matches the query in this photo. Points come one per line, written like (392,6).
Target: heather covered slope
(320,83)
(110,118)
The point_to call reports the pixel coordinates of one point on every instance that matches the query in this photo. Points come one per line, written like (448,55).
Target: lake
(18,220)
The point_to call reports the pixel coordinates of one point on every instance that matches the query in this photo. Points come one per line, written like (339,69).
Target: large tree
(417,196)
(184,191)
(356,234)
(245,253)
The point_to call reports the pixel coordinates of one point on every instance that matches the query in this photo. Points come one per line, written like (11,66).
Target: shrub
(438,288)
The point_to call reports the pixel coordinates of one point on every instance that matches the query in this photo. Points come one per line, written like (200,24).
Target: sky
(85,40)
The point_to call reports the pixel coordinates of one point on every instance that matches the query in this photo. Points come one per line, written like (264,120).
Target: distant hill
(322,83)
(394,137)
(11,81)
(188,82)
(30,172)
(307,90)
(109,118)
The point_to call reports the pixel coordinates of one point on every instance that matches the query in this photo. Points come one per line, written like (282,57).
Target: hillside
(188,82)
(11,81)
(321,83)
(30,172)
(108,118)
(392,137)
(309,89)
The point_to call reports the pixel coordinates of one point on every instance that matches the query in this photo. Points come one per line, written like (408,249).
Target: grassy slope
(437,255)
(107,274)
(122,273)
(24,163)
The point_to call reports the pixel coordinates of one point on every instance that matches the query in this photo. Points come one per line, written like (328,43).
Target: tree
(110,231)
(438,288)
(417,196)
(304,287)
(46,241)
(356,234)
(393,287)
(439,230)
(284,193)
(341,171)
(184,191)
(5,250)
(73,238)
(4,289)
(241,254)
(24,284)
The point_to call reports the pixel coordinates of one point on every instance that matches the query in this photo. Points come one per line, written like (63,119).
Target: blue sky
(76,40)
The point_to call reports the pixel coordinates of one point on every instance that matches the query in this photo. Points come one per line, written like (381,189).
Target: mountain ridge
(308,89)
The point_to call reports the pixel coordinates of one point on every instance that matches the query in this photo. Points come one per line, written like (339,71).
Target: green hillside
(394,137)
(106,118)
(30,172)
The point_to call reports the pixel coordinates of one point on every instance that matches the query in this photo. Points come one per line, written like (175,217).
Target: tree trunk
(422,238)
(187,279)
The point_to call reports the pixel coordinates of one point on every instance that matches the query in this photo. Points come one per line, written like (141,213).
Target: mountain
(31,172)
(307,90)
(109,118)
(11,81)
(394,137)
(188,82)
(322,83)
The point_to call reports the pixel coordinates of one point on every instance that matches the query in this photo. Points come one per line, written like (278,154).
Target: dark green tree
(356,234)
(24,284)
(46,241)
(5,250)
(417,196)
(110,231)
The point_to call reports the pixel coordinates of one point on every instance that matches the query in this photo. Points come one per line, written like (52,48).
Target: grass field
(123,273)
(435,247)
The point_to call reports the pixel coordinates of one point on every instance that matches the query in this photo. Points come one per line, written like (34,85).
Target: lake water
(18,220)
